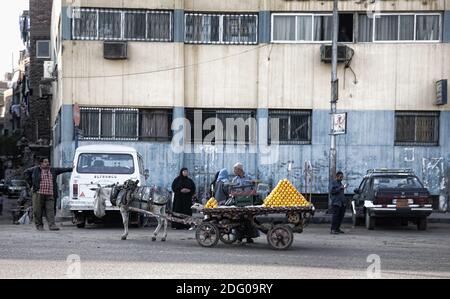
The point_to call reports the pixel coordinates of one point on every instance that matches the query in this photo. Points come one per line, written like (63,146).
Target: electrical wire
(168,69)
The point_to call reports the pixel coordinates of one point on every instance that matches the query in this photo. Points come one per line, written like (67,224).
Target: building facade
(262,60)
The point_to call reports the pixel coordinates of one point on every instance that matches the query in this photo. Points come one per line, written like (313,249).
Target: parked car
(15,187)
(3,187)
(391,193)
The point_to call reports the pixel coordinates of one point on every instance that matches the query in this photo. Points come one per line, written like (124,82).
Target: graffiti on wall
(433,174)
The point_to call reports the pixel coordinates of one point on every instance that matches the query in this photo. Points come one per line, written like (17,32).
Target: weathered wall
(37,126)
(388,76)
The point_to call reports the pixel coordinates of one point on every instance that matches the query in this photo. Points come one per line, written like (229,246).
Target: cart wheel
(228,237)
(280,237)
(207,234)
(293,218)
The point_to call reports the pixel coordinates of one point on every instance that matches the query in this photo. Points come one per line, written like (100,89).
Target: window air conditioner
(115,50)
(344,53)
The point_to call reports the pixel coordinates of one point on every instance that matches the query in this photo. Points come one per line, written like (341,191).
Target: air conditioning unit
(49,67)
(344,53)
(115,50)
(441,92)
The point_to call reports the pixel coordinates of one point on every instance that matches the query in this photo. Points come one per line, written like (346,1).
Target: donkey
(151,199)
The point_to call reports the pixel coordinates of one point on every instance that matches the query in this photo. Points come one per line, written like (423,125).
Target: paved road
(403,253)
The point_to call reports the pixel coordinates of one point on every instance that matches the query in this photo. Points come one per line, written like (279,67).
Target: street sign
(339,123)
(76,115)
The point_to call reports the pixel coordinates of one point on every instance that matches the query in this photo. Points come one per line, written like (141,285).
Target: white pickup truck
(101,164)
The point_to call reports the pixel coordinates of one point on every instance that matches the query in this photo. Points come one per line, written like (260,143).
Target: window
(405,182)
(43,49)
(115,24)
(159,26)
(304,27)
(221,28)
(155,125)
(399,27)
(417,128)
(294,126)
(231,126)
(109,124)
(105,163)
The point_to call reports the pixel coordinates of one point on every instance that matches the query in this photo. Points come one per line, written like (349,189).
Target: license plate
(402,203)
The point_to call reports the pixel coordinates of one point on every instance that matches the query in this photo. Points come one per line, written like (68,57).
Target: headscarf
(181,172)
(223,175)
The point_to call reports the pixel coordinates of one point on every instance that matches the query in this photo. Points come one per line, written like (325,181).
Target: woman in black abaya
(183,188)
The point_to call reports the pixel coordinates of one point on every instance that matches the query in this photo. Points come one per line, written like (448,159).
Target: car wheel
(370,221)
(422,223)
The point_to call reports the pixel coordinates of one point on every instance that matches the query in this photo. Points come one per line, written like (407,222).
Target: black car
(391,193)
(15,187)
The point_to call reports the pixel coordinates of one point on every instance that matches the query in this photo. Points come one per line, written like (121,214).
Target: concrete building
(262,59)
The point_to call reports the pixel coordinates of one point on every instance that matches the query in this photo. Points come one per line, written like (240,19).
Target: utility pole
(334,98)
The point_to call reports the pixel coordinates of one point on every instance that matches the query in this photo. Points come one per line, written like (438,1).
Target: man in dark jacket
(338,203)
(44,190)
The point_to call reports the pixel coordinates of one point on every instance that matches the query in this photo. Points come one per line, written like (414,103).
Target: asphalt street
(98,252)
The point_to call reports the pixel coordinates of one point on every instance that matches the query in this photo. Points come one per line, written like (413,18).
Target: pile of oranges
(285,195)
(212,204)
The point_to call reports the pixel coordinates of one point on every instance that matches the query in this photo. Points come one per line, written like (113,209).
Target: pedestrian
(338,203)
(184,189)
(44,191)
(221,192)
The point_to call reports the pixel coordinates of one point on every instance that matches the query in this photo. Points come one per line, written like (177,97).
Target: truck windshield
(396,182)
(105,163)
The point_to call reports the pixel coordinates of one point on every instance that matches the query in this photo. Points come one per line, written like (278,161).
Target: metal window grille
(109,123)
(116,24)
(294,126)
(228,136)
(417,128)
(155,125)
(221,28)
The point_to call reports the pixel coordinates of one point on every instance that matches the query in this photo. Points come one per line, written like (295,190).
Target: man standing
(338,203)
(44,191)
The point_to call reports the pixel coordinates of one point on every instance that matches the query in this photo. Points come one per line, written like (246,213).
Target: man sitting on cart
(241,179)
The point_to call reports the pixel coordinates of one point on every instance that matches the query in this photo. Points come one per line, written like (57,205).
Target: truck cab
(101,165)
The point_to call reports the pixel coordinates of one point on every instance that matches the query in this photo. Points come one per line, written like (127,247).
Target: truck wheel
(422,223)
(370,221)
(80,219)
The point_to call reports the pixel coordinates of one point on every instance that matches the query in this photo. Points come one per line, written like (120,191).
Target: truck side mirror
(146,174)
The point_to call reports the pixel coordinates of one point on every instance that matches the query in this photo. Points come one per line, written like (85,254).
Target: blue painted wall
(368,144)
